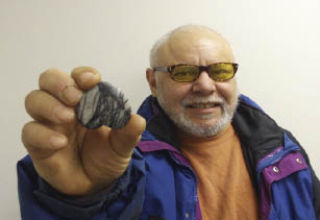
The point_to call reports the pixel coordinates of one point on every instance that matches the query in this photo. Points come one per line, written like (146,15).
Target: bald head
(200,46)
(189,44)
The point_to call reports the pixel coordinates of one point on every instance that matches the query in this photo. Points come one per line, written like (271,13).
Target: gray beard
(191,128)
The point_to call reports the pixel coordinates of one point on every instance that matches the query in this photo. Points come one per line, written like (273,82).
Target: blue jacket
(160,183)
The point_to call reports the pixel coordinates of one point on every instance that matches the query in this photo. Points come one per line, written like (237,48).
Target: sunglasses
(187,73)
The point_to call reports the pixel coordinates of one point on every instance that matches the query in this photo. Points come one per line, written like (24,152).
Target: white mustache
(202,100)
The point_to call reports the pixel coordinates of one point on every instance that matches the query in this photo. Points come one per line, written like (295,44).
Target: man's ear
(152,81)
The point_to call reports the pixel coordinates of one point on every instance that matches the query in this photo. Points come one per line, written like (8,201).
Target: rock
(104,104)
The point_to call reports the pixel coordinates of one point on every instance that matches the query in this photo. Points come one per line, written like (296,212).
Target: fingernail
(58,141)
(87,76)
(65,114)
(72,94)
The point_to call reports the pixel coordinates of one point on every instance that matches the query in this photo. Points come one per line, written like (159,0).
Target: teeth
(203,105)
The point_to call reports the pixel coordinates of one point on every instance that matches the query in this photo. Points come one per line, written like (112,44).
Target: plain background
(276,43)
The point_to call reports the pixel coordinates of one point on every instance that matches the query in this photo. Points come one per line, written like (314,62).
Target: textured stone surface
(103,105)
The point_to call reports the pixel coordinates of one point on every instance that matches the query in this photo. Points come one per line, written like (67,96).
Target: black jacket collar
(259,134)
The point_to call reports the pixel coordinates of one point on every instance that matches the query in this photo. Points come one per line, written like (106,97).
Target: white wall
(276,43)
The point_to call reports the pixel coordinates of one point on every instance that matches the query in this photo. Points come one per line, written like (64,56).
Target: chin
(208,125)
(201,129)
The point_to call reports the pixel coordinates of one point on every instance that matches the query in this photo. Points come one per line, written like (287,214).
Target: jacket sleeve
(315,180)
(123,200)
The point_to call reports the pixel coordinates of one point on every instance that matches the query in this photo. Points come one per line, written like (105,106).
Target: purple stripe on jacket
(150,146)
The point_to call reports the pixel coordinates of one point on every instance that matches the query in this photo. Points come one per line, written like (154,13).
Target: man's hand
(71,158)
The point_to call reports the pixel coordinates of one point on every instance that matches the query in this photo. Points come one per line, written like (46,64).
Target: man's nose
(204,85)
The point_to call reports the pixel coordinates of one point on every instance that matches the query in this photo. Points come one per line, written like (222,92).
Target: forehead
(198,47)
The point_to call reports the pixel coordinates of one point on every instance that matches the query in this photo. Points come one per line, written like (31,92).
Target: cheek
(173,94)
(228,91)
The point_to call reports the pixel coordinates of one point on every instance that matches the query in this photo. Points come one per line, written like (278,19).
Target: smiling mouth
(203,105)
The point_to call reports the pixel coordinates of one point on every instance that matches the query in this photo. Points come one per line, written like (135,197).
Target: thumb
(107,151)
(124,140)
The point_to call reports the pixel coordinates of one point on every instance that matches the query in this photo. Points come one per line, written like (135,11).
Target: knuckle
(29,99)
(43,78)
(27,128)
(54,81)
(50,71)
(26,132)
(44,75)
(47,75)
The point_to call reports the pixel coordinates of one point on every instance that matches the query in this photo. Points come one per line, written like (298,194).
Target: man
(205,152)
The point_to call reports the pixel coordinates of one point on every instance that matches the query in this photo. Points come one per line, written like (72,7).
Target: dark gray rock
(103,105)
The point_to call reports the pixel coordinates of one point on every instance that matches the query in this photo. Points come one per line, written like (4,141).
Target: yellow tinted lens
(221,71)
(185,73)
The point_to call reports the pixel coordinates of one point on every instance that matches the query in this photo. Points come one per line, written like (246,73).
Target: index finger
(60,85)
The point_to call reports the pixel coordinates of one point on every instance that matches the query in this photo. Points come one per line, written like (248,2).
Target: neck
(184,136)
